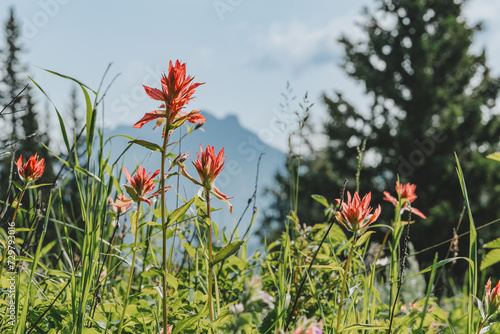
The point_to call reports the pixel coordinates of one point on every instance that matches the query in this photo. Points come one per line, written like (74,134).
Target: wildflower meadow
(132,264)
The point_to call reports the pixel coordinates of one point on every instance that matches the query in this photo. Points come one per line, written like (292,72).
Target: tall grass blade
(472,252)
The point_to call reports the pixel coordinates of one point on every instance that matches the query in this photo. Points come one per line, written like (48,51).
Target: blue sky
(244,50)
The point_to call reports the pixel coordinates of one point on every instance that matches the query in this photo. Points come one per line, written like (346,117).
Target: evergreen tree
(11,87)
(22,135)
(431,97)
(12,67)
(34,137)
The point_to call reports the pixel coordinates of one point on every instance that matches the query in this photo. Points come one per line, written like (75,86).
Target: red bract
(492,298)
(141,184)
(406,191)
(177,90)
(121,205)
(32,170)
(355,214)
(208,165)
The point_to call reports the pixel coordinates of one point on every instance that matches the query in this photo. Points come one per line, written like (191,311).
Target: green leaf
(152,272)
(69,78)
(491,258)
(324,267)
(151,224)
(493,244)
(39,185)
(131,192)
(363,238)
(179,212)
(57,273)
(227,251)
(321,200)
(73,166)
(17,185)
(61,122)
(364,327)
(442,263)
(472,250)
(494,156)
(148,145)
(188,322)
(172,281)
(133,222)
(90,124)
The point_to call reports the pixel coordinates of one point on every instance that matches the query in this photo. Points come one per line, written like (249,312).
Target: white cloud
(297,45)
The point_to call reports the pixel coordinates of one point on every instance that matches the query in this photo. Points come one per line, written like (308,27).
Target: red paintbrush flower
(177,90)
(141,184)
(492,298)
(121,205)
(406,191)
(32,170)
(355,214)
(208,165)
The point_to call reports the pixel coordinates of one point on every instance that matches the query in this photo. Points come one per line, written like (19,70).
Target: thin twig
(12,101)
(11,143)
(404,257)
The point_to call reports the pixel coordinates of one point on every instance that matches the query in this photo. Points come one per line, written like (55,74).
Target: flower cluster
(209,165)
(176,91)
(121,205)
(405,191)
(32,170)
(141,184)
(491,298)
(355,214)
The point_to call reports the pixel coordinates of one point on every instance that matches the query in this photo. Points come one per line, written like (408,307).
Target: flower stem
(4,256)
(210,258)
(482,324)
(132,267)
(346,269)
(164,227)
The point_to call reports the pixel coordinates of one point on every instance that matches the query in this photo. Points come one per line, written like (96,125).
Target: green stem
(482,324)
(346,269)
(146,252)
(164,227)
(210,258)
(4,256)
(176,203)
(132,267)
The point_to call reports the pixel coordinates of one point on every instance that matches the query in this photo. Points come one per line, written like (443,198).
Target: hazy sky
(244,50)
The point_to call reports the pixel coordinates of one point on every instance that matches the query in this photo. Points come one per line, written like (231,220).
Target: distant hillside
(242,149)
